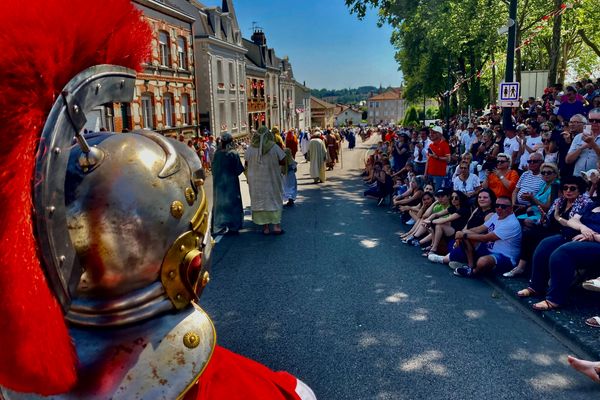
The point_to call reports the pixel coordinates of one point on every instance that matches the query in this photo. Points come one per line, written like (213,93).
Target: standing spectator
(438,156)
(531,144)
(500,238)
(571,105)
(501,180)
(317,155)
(227,212)
(575,127)
(420,152)
(400,151)
(467,137)
(529,184)
(585,147)
(263,159)
(512,147)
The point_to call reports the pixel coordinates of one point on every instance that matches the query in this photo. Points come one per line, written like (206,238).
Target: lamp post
(510,57)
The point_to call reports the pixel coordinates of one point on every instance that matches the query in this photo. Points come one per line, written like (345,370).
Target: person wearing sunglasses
(493,246)
(465,181)
(529,184)
(550,151)
(557,256)
(537,228)
(585,148)
(502,180)
(446,226)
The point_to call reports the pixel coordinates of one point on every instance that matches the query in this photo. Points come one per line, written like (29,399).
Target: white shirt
(510,146)
(508,231)
(532,143)
(466,139)
(469,185)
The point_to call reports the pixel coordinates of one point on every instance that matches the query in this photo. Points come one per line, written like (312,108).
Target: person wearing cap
(585,148)
(467,137)
(227,212)
(438,156)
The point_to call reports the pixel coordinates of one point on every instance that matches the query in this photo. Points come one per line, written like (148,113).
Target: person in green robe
(227,210)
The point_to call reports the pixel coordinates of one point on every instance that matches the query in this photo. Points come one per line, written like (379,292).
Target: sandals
(545,305)
(527,292)
(594,322)
(408,239)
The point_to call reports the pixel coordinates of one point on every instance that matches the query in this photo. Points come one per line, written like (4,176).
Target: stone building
(165,97)
(220,67)
(321,113)
(387,107)
(289,118)
(303,110)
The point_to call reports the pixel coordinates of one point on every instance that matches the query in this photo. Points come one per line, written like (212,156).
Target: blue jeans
(556,259)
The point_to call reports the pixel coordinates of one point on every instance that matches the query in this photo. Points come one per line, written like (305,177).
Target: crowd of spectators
(515,200)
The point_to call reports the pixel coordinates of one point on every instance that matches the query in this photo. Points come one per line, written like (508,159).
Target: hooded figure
(263,160)
(317,154)
(228,212)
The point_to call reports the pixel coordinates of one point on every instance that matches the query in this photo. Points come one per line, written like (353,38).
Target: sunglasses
(502,161)
(546,140)
(503,206)
(534,161)
(595,121)
(570,188)
(547,172)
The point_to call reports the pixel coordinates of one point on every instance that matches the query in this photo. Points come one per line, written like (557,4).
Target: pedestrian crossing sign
(509,91)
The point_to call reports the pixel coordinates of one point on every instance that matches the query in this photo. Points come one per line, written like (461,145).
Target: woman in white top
(465,181)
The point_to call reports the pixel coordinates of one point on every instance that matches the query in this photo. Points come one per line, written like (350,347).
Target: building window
(223,117)
(169,117)
(126,116)
(147,111)
(185,110)
(234,118)
(182,52)
(164,51)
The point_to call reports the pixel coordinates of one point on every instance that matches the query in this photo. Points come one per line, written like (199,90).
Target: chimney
(259,38)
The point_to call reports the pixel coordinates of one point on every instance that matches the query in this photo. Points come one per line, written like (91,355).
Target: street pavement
(342,304)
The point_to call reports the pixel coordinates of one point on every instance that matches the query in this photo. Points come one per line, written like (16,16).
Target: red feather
(43,44)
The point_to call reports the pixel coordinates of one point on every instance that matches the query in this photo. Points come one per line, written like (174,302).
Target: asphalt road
(342,304)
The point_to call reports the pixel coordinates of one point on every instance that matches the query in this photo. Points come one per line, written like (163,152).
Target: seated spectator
(535,228)
(501,180)
(550,150)
(416,212)
(411,197)
(570,105)
(577,246)
(494,245)
(487,150)
(486,202)
(446,226)
(466,182)
(382,184)
(528,184)
(419,233)
(585,147)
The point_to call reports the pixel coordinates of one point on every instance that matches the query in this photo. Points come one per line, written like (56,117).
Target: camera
(490,165)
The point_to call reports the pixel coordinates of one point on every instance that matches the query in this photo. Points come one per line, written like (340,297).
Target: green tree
(411,117)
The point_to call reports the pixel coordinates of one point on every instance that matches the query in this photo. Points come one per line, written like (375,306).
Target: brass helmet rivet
(172,274)
(182,248)
(178,297)
(191,340)
(177,209)
(190,195)
(205,278)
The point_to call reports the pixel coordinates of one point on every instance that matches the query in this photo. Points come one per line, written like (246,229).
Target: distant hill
(345,96)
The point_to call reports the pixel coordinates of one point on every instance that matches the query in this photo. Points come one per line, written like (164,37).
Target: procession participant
(105,248)
(317,155)
(304,142)
(291,142)
(263,160)
(227,211)
(290,183)
(332,147)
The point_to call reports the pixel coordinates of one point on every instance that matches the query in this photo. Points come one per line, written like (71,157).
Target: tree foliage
(439,42)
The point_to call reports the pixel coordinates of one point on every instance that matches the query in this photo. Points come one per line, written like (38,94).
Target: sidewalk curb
(553,322)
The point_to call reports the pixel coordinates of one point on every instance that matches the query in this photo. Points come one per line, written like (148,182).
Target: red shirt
(436,167)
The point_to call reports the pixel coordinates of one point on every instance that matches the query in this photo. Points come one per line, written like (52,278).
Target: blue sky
(327,46)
